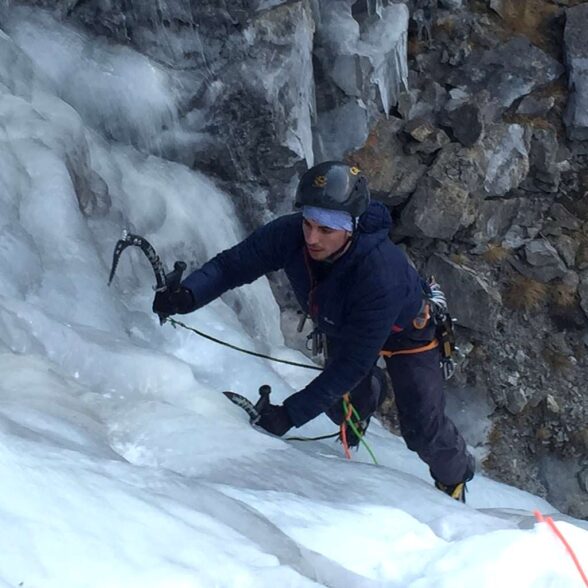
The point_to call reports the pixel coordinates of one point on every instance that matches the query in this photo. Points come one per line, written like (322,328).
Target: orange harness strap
(434,343)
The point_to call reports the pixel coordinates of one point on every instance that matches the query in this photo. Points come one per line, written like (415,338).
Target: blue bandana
(334,219)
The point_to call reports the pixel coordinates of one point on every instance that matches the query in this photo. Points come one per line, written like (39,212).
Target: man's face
(321,241)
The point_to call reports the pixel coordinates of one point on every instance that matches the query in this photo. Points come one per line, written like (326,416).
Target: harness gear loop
(433,310)
(443,322)
(446,336)
(317,341)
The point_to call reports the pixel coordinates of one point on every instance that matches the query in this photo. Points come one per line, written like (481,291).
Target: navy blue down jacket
(371,288)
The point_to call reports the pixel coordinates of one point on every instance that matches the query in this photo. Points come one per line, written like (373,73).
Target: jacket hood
(375,218)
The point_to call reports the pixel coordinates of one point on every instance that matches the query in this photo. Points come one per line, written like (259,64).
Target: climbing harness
(444,338)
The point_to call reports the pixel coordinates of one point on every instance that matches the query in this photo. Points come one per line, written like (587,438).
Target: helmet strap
(337,254)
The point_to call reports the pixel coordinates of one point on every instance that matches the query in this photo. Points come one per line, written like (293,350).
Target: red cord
(568,547)
(344,440)
(344,427)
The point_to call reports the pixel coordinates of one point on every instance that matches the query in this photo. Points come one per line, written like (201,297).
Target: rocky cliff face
(492,128)
(471,119)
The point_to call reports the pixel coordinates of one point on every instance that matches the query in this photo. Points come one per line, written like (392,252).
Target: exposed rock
(582,255)
(419,129)
(563,484)
(507,72)
(427,138)
(515,398)
(547,264)
(432,144)
(552,405)
(567,249)
(393,174)
(576,51)
(507,158)
(498,7)
(92,192)
(544,163)
(451,4)
(583,479)
(583,291)
(438,209)
(471,299)
(407,104)
(422,99)
(265,113)
(494,218)
(511,222)
(571,280)
(563,217)
(536,106)
(526,223)
(244,77)
(433,94)
(557,342)
(466,123)
(460,165)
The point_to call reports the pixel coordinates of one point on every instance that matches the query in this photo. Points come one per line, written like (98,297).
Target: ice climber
(365,300)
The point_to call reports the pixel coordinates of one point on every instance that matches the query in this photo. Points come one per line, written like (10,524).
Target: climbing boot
(456,491)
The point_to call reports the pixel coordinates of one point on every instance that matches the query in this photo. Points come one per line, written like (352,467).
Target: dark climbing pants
(420,399)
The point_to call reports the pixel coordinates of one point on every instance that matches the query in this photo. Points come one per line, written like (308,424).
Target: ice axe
(253,410)
(163,281)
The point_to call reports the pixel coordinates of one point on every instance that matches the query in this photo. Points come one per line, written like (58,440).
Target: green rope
(358,434)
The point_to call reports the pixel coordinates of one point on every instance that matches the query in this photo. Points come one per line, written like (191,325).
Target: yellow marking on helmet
(319,182)
(354,170)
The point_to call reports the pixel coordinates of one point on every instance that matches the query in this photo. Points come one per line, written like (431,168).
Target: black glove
(180,301)
(275,420)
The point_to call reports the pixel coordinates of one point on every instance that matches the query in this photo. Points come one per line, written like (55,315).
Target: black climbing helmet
(334,185)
